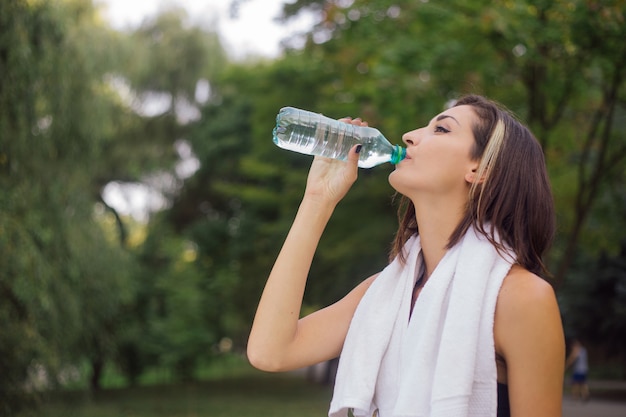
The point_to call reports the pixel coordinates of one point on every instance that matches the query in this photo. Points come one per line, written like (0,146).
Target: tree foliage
(60,282)
(66,129)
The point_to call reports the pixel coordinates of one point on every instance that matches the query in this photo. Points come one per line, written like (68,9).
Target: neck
(436,221)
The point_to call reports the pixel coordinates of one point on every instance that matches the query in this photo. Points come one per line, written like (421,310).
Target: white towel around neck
(441,363)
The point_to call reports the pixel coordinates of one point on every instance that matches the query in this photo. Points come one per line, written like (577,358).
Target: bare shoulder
(522,290)
(526,310)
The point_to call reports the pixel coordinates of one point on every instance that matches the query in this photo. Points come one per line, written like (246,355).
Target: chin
(395,181)
(405,182)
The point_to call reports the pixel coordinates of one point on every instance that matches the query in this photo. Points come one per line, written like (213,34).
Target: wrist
(319,203)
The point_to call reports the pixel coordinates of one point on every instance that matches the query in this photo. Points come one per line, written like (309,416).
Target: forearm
(274,329)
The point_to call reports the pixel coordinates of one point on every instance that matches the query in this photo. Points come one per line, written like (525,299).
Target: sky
(253,32)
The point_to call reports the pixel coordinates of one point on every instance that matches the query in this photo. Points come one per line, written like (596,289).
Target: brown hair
(514,198)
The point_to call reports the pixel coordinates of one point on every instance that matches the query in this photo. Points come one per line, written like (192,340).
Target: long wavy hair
(514,199)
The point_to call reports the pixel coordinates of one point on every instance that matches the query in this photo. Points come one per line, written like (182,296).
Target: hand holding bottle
(330,179)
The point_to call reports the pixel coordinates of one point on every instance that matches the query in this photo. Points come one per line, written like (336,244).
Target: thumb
(353,156)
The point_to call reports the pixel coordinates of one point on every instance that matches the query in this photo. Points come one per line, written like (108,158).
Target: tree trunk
(97,366)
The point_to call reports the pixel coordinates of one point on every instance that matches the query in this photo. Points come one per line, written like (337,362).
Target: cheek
(451,160)
(450,169)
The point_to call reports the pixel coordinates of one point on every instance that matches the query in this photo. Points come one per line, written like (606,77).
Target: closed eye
(441,129)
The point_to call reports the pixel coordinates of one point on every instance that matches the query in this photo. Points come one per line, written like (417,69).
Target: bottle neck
(398,154)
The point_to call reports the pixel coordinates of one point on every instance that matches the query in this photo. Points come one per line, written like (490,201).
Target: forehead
(465,115)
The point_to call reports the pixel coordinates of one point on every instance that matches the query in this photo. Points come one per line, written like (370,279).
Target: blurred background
(142,201)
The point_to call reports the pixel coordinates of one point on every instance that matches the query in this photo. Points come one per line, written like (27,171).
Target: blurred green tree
(173,320)
(73,117)
(62,282)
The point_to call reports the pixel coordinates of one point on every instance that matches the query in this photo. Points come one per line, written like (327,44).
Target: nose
(411,138)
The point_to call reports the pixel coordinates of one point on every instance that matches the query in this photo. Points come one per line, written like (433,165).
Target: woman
(459,323)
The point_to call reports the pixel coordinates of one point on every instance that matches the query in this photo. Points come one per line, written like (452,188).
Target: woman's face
(438,156)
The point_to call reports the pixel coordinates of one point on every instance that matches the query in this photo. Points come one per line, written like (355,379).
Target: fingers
(353,156)
(358,121)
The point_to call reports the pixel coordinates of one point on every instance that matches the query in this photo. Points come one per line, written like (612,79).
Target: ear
(471,177)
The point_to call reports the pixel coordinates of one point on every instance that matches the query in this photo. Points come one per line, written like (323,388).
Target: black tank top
(503,401)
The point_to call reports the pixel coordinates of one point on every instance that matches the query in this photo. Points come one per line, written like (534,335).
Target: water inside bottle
(307,135)
(314,134)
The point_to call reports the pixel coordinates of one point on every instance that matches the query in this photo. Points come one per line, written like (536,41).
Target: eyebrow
(446,116)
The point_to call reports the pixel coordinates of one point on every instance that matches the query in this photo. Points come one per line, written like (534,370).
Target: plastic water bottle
(315,134)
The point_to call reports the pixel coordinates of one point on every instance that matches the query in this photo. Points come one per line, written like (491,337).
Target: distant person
(577,359)
(459,323)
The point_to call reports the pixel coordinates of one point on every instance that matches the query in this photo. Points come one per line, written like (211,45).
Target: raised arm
(279,340)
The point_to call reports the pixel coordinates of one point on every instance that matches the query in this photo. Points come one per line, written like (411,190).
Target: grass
(248,394)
